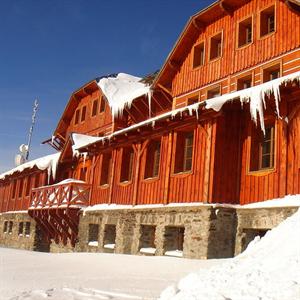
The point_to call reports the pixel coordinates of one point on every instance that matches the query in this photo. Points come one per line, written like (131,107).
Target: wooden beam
(174,65)
(200,26)
(294,6)
(157,102)
(226,8)
(168,168)
(111,183)
(165,89)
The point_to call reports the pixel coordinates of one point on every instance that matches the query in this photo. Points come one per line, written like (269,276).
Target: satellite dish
(19,160)
(23,148)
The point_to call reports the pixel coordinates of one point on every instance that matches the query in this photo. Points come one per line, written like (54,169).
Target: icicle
(153,124)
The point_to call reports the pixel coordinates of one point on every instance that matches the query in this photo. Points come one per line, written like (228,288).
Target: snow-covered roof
(121,89)
(48,162)
(254,95)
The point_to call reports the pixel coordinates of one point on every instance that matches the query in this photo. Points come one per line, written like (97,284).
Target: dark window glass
(127,165)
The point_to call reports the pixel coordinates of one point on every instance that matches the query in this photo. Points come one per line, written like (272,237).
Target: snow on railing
(71,193)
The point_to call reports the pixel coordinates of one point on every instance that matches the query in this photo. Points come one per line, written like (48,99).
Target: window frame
(211,88)
(106,185)
(83,109)
(204,55)
(238,46)
(77,116)
(102,106)
(210,59)
(131,174)
(269,66)
(262,171)
(183,172)
(260,36)
(94,114)
(245,76)
(153,177)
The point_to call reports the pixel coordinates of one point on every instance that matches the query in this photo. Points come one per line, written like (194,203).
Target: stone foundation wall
(208,232)
(18,236)
(256,221)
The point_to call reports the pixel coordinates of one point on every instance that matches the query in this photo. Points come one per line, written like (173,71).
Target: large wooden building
(167,163)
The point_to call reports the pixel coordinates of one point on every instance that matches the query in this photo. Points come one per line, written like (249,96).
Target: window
(267,21)
(14,187)
(184,152)
(213,93)
(271,73)
(215,46)
(102,105)
(147,238)
(173,238)
(5,227)
(10,227)
(110,234)
(127,165)
(27,192)
(192,100)
(76,120)
(83,174)
(27,228)
(245,32)
(198,58)
(83,113)
(21,226)
(262,148)
(244,82)
(93,233)
(21,185)
(152,160)
(95,107)
(106,168)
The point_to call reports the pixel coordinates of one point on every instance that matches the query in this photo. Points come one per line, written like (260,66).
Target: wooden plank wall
(235,60)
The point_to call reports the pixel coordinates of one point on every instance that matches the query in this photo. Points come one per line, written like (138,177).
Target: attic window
(102,105)
(244,83)
(83,113)
(214,92)
(267,21)
(271,73)
(198,59)
(76,120)
(192,100)
(245,32)
(95,107)
(215,46)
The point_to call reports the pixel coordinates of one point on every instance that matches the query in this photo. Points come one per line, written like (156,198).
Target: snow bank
(256,97)
(121,90)
(269,269)
(48,162)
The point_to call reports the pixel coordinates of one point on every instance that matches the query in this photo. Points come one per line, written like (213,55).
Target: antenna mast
(33,118)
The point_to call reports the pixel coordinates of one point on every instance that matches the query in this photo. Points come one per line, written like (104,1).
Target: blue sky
(51,48)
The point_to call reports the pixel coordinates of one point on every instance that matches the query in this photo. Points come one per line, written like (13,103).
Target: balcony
(56,210)
(66,194)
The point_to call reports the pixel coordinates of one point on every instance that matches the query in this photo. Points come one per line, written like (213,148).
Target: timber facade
(170,174)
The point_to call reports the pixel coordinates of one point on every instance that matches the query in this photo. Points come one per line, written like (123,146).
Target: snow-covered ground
(269,269)
(26,275)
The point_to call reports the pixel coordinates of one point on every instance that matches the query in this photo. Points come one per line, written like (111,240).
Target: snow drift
(269,269)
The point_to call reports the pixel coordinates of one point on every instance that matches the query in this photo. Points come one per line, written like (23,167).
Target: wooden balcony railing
(62,195)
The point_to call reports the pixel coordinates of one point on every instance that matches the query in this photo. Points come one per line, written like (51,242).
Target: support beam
(200,26)
(293,5)
(226,8)
(165,89)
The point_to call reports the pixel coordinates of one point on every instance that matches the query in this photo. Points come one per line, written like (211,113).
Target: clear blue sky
(50,48)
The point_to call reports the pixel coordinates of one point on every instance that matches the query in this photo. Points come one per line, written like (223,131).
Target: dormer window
(95,107)
(102,105)
(215,46)
(198,58)
(267,21)
(76,120)
(83,113)
(245,32)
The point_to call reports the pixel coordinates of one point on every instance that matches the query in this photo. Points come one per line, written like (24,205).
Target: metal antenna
(35,108)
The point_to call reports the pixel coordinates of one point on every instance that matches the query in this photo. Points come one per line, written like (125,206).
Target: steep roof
(195,25)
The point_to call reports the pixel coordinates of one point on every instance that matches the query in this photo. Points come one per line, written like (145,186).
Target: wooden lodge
(172,164)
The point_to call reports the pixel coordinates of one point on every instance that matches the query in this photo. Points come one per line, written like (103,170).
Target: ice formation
(121,90)
(48,162)
(256,97)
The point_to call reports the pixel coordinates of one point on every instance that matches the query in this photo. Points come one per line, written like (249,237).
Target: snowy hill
(269,269)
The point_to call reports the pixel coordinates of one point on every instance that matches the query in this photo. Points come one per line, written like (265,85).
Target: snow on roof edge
(255,95)
(48,162)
